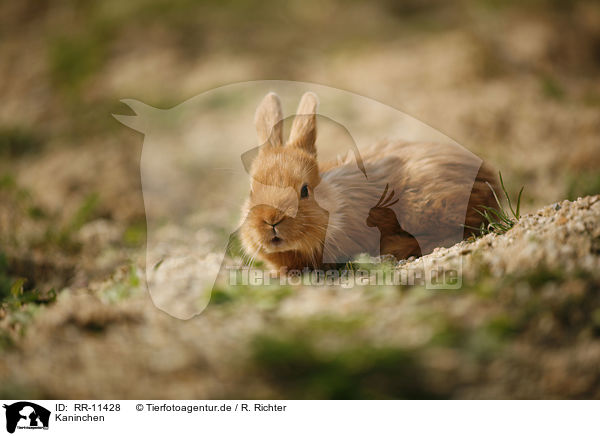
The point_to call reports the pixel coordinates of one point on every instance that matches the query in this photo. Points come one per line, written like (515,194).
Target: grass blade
(518,214)
(499,220)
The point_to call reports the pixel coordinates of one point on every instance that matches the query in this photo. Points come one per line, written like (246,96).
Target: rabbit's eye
(304,191)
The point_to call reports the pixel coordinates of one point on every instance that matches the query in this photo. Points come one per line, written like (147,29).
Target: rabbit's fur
(433,189)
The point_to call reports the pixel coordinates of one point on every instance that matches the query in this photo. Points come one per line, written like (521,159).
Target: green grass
(20,206)
(499,220)
(539,293)
(85,212)
(365,263)
(62,236)
(135,234)
(582,184)
(5,279)
(18,296)
(17,206)
(17,141)
(19,307)
(357,371)
(123,289)
(265,297)
(78,52)
(502,327)
(551,88)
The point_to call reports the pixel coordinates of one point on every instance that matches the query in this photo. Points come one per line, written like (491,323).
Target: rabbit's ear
(268,121)
(304,127)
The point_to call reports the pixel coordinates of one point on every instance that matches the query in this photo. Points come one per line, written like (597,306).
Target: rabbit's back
(438,187)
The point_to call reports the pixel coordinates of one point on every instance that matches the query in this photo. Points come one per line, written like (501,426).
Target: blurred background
(515,82)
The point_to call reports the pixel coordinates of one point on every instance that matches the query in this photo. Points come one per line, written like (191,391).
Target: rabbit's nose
(273,224)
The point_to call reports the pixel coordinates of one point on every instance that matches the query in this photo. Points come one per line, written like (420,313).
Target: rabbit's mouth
(275,244)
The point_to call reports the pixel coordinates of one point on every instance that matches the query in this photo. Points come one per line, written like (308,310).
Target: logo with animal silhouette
(393,239)
(25,415)
(302,197)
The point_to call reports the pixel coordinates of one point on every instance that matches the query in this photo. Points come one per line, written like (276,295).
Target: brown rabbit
(302,214)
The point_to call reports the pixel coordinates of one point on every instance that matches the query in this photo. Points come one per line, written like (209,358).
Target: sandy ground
(527,311)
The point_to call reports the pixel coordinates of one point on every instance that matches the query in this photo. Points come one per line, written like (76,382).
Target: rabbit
(302,214)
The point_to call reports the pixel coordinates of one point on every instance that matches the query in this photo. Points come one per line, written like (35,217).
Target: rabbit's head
(281,213)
